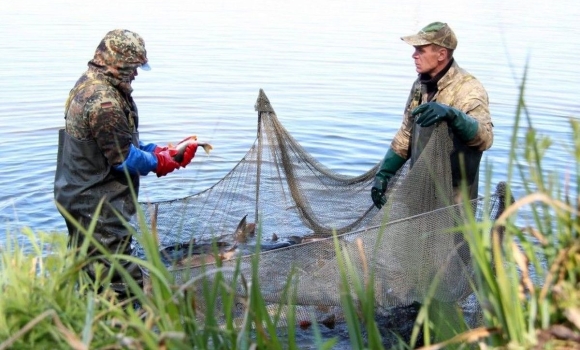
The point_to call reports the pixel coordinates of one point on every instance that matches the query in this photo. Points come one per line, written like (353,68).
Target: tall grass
(49,302)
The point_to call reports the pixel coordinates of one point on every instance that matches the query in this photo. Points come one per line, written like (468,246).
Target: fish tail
(207,148)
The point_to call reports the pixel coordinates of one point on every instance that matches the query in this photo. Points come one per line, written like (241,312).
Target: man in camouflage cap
(442,92)
(100,156)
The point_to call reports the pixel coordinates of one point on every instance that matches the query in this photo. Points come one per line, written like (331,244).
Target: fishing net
(297,204)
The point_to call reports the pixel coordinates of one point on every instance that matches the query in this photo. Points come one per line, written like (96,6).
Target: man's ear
(442,54)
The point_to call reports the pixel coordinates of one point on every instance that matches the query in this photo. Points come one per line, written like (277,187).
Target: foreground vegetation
(527,283)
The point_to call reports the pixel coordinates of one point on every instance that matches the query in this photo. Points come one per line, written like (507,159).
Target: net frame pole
(262,106)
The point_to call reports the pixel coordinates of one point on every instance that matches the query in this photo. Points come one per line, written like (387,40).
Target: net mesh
(288,194)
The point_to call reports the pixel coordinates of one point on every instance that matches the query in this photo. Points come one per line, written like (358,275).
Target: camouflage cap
(122,49)
(437,33)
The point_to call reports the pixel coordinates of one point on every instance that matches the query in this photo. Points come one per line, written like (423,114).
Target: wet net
(297,204)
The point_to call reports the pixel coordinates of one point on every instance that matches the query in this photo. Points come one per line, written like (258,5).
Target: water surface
(336,73)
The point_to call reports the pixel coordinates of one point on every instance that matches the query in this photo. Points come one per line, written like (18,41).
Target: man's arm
(472,99)
(468,115)
(109,127)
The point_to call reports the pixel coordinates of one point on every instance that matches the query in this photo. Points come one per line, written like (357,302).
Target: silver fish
(182,146)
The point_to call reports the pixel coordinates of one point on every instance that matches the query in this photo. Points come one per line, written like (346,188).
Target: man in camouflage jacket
(442,92)
(100,157)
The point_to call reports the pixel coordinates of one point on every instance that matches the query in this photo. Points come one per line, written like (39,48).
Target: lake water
(336,72)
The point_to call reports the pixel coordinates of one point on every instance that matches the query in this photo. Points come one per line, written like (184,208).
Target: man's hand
(462,124)
(378,193)
(391,163)
(188,154)
(165,162)
(185,150)
(159,149)
(431,113)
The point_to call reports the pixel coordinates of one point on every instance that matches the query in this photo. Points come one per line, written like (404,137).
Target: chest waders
(83,179)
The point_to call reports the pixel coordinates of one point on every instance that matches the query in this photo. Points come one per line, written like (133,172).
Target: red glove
(188,154)
(159,149)
(165,162)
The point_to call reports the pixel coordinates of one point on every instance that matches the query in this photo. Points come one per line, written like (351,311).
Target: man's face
(428,59)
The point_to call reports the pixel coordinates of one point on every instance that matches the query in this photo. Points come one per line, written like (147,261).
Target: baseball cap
(437,33)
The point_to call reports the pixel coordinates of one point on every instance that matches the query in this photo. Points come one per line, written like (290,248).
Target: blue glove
(138,162)
(462,125)
(147,147)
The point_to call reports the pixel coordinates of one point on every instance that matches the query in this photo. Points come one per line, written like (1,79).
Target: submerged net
(289,195)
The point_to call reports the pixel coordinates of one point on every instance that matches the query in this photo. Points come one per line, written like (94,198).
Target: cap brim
(145,67)
(415,40)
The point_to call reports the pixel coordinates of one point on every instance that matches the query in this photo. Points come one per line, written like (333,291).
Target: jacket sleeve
(475,103)
(402,140)
(138,162)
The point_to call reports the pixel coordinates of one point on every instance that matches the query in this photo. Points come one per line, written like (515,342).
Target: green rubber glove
(389,167)
(462,125)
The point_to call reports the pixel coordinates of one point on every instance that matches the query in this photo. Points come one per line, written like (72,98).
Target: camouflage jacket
(458,89)
(101,108)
